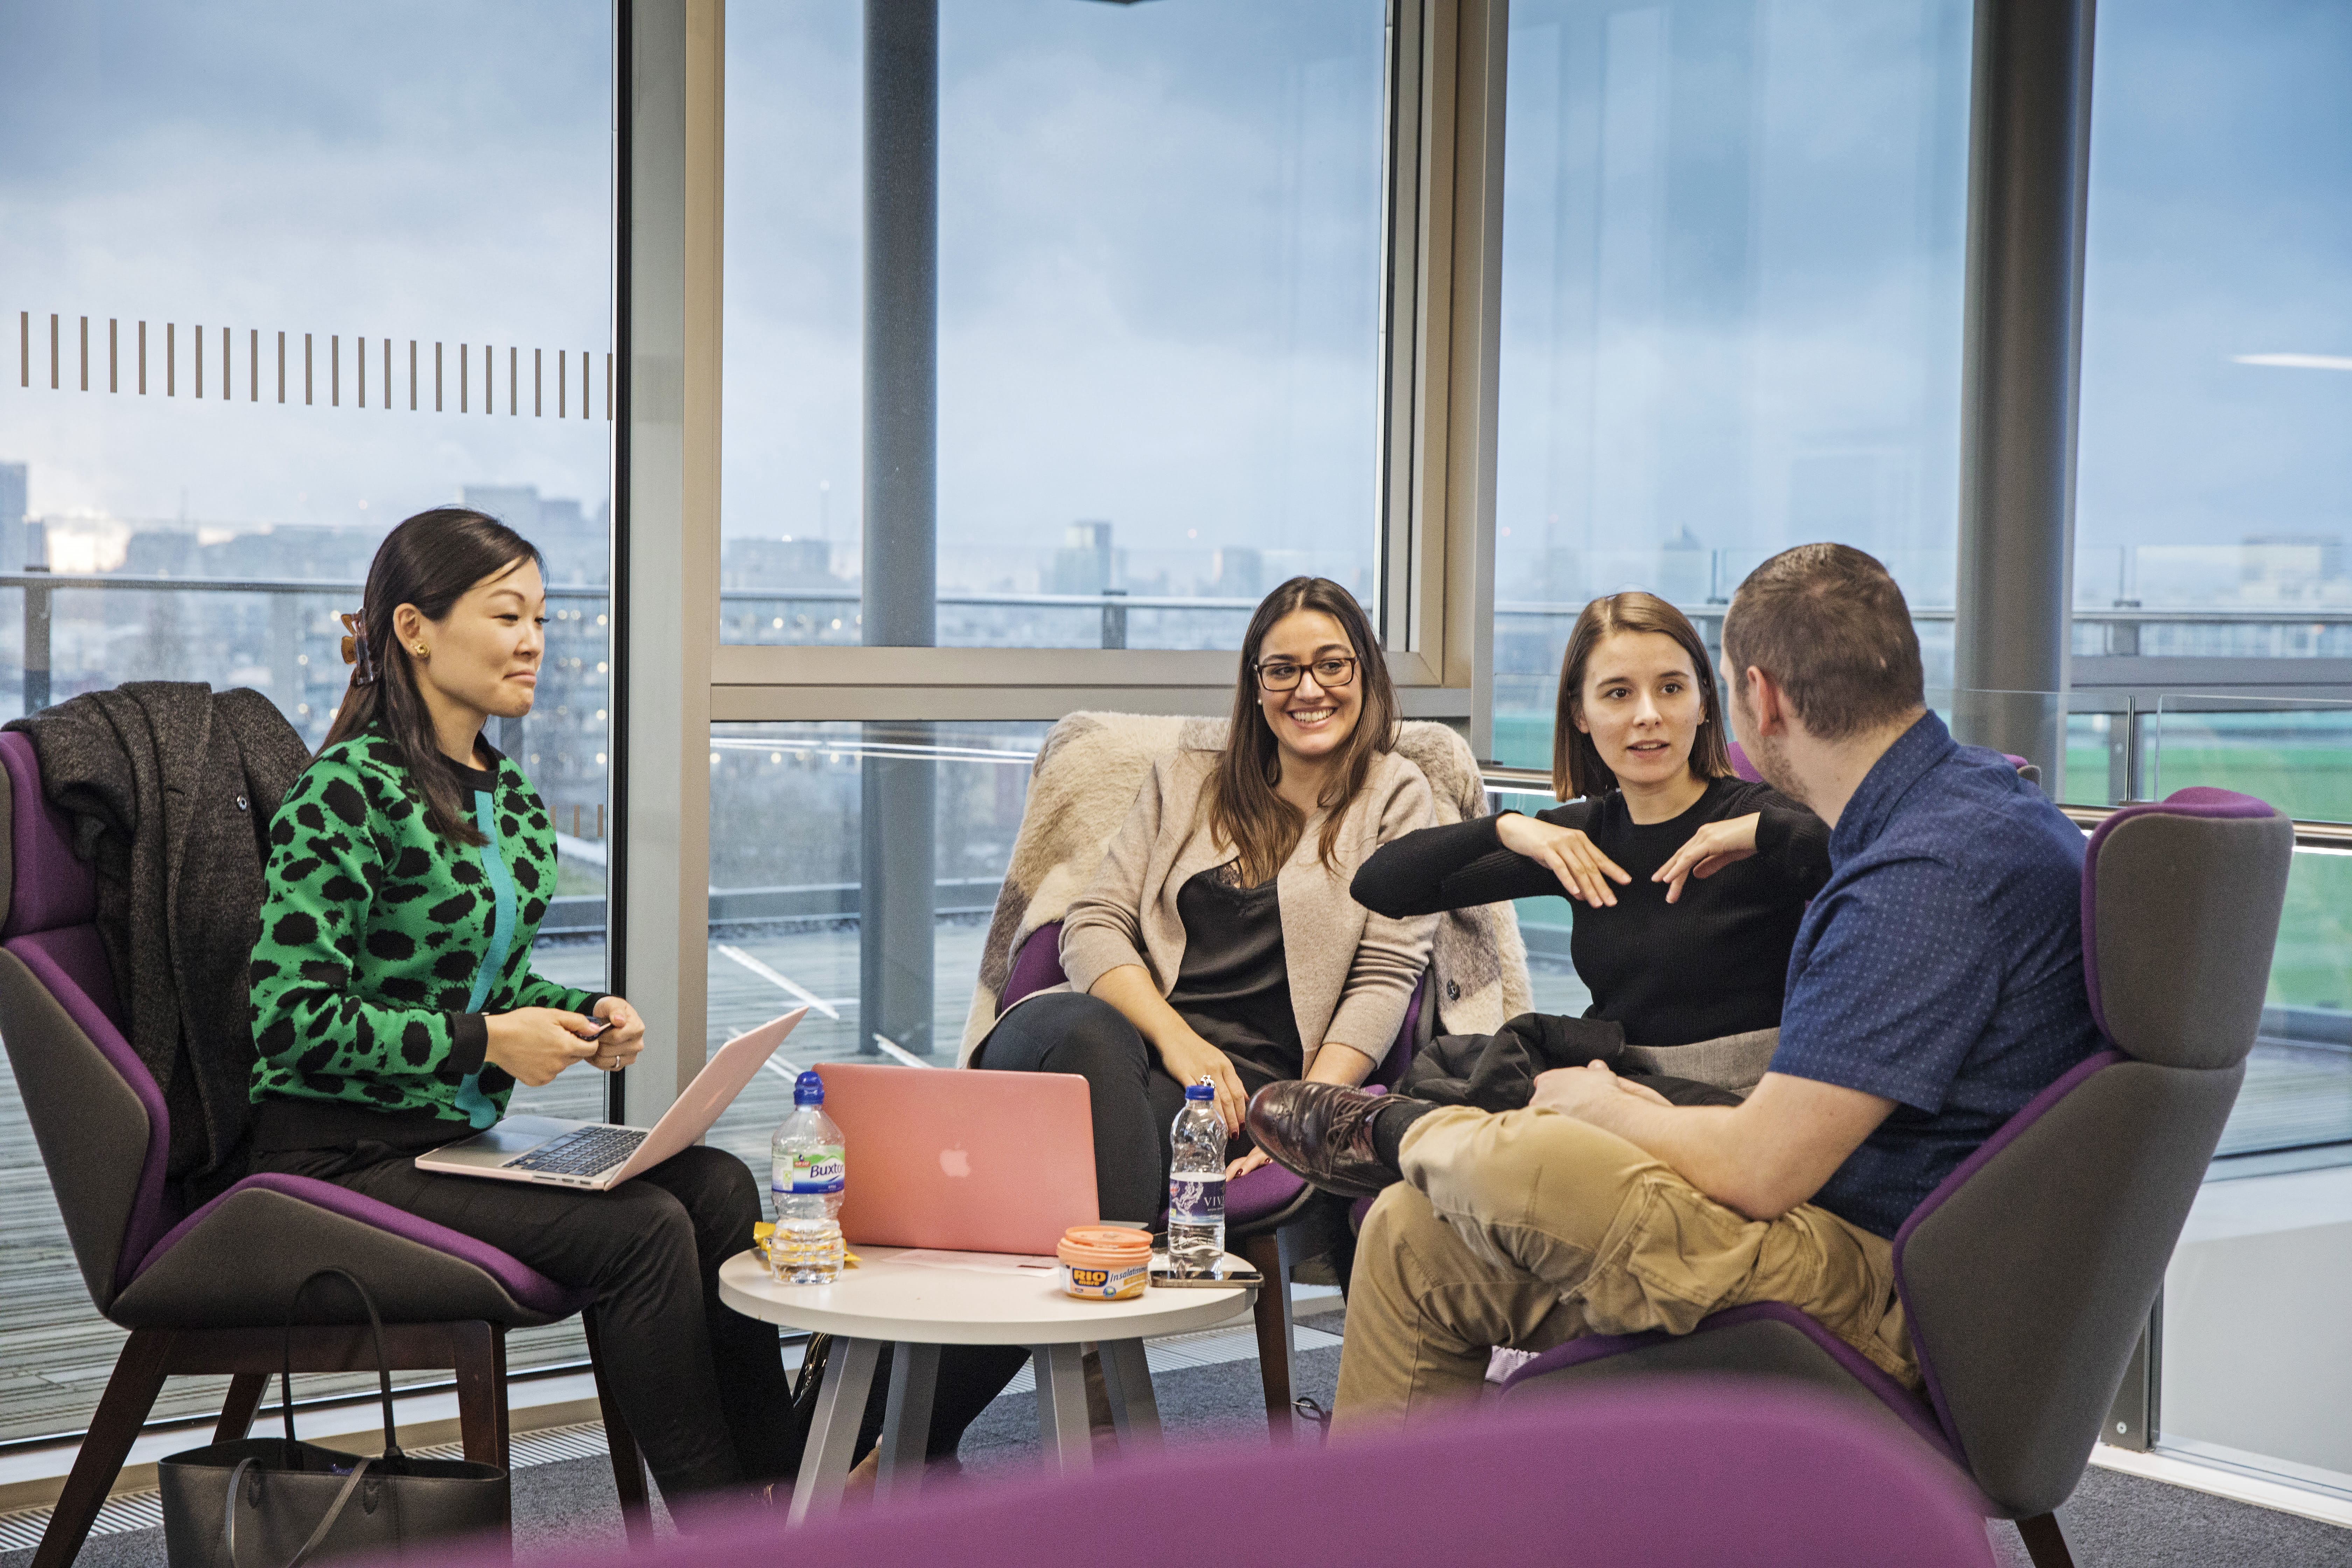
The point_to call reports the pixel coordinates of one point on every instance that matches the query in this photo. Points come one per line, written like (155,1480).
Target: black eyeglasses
(1282,675)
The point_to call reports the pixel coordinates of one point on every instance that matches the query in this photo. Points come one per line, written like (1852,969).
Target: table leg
(907,1427)
(1062,1405)
(833,1436)
(1127,1377)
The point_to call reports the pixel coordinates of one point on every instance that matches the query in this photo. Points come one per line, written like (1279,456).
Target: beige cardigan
(1352,972)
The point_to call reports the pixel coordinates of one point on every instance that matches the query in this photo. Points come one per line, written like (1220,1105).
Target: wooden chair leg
(2044,1541)
(245,1394)
(480,1390)
(1265,1254)
(131,1391)
(628,1466)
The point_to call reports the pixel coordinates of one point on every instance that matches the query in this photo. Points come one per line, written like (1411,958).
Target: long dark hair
(429,560)
(1243,810)
(1576,765)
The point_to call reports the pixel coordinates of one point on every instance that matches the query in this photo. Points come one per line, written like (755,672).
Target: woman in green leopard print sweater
(386,949)
(395,1007)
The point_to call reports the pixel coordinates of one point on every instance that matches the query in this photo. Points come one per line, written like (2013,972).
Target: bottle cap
(1200,1092)
(808,1089)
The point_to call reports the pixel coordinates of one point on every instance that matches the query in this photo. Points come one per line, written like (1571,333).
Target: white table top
(922,1296)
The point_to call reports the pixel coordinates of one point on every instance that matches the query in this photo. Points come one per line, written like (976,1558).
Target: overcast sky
(433,170)
(1160,266)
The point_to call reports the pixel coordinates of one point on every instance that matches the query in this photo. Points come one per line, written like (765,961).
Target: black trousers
(702,1386)
(1133,1101)
(1134,1104)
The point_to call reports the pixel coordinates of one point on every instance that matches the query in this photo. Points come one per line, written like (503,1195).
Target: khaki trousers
(1532,1229)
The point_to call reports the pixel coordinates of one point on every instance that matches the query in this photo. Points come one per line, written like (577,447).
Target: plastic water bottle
(1196,1184)
(807,1177)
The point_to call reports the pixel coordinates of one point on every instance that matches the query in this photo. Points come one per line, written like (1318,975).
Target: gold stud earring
(420,650)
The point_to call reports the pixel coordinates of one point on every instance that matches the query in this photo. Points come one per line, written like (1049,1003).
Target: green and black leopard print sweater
(384,946)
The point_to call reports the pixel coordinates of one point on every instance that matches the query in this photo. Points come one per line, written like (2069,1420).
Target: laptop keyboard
(583,1152)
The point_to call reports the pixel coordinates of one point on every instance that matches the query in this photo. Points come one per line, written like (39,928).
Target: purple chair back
(2027,1274)
(1635,1478)
(96,1113)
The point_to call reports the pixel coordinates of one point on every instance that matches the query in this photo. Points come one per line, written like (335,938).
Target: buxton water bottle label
(813,1171)
(1196,1200)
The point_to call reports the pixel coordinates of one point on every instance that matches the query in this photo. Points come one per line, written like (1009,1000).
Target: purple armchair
(2027,1275)
(1634,1479)
(1272,1216)
(206,1292)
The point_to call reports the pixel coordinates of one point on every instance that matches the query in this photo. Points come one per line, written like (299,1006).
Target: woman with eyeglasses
(1218,941)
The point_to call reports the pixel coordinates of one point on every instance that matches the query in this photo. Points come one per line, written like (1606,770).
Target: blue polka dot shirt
(1940,967)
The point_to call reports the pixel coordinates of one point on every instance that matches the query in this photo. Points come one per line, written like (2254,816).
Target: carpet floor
(2113,1520)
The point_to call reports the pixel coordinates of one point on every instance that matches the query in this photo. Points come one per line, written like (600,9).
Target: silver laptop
(597,1155)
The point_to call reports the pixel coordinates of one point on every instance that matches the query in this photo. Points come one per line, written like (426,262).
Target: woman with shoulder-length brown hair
(1218,941)
(1688,881)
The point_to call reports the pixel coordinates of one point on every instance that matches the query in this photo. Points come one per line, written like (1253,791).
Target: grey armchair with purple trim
(2027,1275)
(1272,1216)
(204,1293)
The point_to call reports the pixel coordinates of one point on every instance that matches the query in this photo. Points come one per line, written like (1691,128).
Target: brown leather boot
(1323,1131)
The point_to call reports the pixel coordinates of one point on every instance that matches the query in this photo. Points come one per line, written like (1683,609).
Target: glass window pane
(1159,243)
(2217,337)
(1731,309)
(854,861)
(2217,375)
(277,277)
(2273,1224)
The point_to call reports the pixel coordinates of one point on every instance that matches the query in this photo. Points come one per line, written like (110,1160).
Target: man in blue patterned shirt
(1936,987)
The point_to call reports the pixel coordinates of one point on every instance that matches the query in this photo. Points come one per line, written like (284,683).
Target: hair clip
(355,649)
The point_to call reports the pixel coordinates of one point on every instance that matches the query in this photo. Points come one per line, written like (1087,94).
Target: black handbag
(275,1502)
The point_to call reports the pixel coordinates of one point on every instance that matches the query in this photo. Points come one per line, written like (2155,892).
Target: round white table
(919,1299)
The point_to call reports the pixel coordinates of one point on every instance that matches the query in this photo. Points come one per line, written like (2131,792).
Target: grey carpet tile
(2129,1521)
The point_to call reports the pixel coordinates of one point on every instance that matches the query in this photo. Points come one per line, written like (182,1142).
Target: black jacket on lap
(1497,1072)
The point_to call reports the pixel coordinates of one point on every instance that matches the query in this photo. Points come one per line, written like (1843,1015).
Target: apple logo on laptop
(955,1162)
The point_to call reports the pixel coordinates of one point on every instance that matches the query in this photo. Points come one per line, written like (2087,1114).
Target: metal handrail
(1118,599)
(129,581)
(2330,836)
(2097,615)
(149,582)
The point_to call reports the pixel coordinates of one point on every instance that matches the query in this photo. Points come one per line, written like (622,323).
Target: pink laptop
(962,1159)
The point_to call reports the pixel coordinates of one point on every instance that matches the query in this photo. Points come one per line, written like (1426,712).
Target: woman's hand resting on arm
(1584,873)
(1714,845)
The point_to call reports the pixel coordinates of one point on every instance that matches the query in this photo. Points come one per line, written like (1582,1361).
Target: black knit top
(1715,963)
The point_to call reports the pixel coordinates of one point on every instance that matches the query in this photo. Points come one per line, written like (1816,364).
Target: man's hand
(1714,845)
(1584,873)
(624,1037)
(1578,1091)
(1762,1157)
(532,1045)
